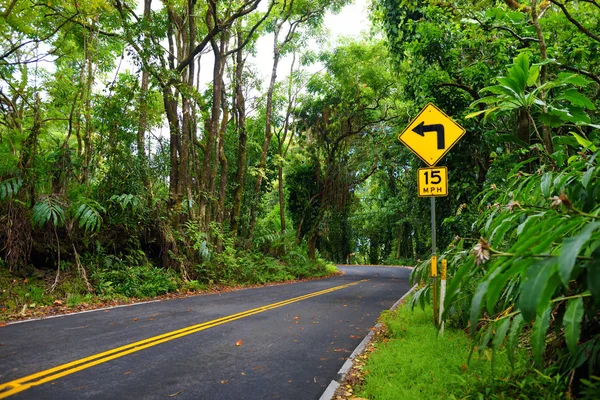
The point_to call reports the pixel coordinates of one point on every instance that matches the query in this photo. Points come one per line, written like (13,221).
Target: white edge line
(330,391)
(81,312)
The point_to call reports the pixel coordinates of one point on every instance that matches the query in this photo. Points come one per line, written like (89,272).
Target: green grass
(417,363)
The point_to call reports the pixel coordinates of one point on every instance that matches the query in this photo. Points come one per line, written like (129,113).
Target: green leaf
(546,184)
(572,323)
(499,232)
(576,98)
(513,336)
(570,250)
(586,144)
(587,177)
(500,334)
(537,279)
(477,301)
(497,284)
(534,73)
(593,274)
(573,79)
(538,336)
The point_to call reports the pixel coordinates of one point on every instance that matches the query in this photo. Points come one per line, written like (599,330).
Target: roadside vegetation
(410,360)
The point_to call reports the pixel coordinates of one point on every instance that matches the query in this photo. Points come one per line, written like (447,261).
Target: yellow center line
(18,385)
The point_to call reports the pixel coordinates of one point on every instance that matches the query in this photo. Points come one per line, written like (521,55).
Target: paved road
(189,348)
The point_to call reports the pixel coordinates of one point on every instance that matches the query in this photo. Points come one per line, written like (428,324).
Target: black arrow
(439,128)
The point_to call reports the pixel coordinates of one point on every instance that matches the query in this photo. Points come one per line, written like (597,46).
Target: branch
(466,88)
(254,28)
(574,22)
(245,9)
(487,27)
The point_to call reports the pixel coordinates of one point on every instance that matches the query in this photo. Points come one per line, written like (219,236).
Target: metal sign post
(434,263)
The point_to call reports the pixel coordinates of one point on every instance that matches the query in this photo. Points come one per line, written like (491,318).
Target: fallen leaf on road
(238,343)
(243,373)
(126,373)
(136,319)
(175,394)
(224,381)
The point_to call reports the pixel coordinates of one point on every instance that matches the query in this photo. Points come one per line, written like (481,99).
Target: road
(275,342)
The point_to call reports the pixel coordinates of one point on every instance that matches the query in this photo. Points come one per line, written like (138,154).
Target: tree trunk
(240,106)
(143,121)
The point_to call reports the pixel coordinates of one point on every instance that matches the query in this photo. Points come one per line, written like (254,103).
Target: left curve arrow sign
(421,129)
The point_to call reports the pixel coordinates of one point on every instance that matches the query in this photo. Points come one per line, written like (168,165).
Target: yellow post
(442,294)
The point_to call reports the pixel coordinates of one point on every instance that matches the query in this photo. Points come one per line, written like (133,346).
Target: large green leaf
(537,279)
(570,250)
(497,283)
(572,323)
(538,336)
(576,98)
(477,301)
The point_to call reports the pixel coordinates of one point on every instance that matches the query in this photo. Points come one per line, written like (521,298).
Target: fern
(127,200)
(46,209)
(10,188)
(89,215)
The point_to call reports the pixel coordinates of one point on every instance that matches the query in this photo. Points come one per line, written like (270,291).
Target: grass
(414,362)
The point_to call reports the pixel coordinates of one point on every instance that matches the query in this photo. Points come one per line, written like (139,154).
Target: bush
(117,278)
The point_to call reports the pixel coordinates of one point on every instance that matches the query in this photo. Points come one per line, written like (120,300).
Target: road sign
(433,182)
(431,134)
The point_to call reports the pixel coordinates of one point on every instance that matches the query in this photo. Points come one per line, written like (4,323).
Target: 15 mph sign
(431,134)
(433,182)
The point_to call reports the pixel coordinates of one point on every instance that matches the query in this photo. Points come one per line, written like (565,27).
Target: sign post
(430,136)
(434,262)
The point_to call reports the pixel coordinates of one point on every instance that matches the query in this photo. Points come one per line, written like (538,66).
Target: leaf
(534,73)
(578,99)
(476,303)
(538,336)
(572,323)
(238,343)
(546,184)
(586,144)
(570,250)
(497,284)
(537,279)
(500,334)
(587,177)
(513,336)
(593,274)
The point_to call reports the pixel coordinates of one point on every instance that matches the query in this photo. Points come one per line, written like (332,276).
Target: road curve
(276,342)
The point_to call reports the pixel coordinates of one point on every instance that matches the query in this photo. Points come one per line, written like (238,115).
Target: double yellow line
(18,385)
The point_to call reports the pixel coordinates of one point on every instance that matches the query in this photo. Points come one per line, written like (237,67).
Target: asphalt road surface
(276,342)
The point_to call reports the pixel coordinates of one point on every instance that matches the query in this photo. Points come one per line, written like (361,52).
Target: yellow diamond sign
(431,134)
